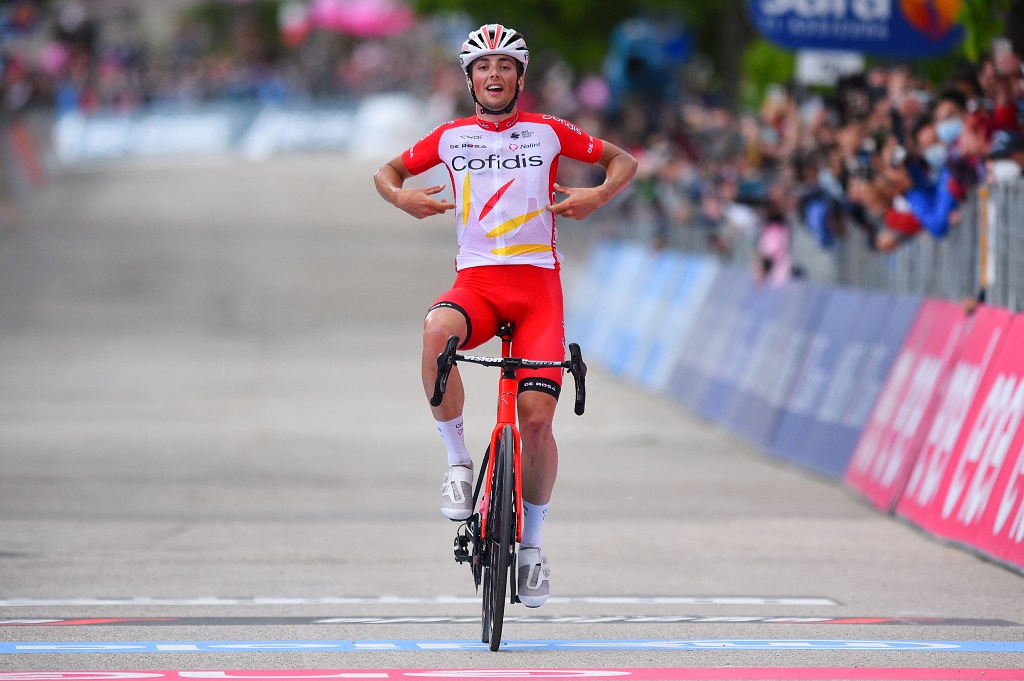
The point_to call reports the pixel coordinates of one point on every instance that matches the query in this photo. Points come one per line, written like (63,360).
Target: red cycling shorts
(526,296)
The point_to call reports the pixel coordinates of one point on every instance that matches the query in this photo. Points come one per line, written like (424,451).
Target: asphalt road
(210,412)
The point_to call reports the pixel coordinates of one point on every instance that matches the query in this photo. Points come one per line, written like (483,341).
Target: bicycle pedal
(461,547)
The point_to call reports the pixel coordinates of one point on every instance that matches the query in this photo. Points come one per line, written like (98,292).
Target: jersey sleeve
(423,155)
(577,143)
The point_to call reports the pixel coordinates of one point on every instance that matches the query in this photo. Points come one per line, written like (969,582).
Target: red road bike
(487,540)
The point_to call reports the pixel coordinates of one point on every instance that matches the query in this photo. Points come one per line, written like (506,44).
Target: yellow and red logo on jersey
(505,227)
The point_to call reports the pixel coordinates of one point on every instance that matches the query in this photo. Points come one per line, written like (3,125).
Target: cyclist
(503,163)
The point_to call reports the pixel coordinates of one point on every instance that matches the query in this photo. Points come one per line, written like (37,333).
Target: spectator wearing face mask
(950,110)
(931,199)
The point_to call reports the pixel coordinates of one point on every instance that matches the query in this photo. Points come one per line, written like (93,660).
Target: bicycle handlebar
(445,362)
(449,358)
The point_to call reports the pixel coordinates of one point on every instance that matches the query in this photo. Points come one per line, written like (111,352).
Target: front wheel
(499,545)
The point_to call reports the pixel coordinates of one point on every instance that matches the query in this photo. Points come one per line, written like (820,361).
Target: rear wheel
(498,544)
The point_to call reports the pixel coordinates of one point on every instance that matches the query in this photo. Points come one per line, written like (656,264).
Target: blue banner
(829,348)
(758,319)
(706,351)
(656,358)
(870,354)
(621,270)
(586,296)
(775,363)
(897,28)
(639,321)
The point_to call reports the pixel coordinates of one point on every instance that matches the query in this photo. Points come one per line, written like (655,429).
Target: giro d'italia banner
(899,28)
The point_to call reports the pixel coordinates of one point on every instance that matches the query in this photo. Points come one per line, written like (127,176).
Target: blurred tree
(249,30)
(984,20)
(764,64)
(579,30)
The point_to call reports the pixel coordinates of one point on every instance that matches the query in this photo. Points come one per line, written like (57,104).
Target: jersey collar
(500,125)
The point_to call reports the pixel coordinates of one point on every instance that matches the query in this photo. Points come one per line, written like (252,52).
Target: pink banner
(893,435)
(995,458)
(966,484)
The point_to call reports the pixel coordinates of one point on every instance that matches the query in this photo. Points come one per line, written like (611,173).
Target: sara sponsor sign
(892,436)
(905,28)
(968,483)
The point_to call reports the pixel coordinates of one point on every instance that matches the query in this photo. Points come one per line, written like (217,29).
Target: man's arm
(619,167)
(417,201)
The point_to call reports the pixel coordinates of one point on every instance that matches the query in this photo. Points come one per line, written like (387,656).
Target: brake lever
(578,368)
(445,362)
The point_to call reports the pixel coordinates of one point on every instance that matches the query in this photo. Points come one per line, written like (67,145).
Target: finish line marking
(28,647)
(475,619)
(640,674)
(421,600)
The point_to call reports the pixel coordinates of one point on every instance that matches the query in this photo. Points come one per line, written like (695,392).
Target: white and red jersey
(503,176)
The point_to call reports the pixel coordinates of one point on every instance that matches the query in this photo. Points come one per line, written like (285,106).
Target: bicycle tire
(500,524)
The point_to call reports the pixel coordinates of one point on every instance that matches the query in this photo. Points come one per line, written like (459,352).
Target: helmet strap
(494,112)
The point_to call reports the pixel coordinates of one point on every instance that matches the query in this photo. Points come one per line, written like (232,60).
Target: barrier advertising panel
(654,290)
(612,267)
(977,502)
(769,378)
(854,384)
(834,352)
(971,425)
(1001,527)
(893,435)
(643,272)
(761,308)
(707,348)
(674,319)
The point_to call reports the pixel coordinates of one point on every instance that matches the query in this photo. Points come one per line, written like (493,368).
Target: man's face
(945,110)
(494,80)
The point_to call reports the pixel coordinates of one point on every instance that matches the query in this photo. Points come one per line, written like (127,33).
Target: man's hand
(580,202)
(418,203)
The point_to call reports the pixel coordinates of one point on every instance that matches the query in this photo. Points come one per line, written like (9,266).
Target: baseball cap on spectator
(1005,143)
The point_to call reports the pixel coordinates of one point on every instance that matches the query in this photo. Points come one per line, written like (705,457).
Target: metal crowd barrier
(984,250)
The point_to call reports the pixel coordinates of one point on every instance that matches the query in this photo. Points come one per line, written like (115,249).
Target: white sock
(454,442)
(533,523)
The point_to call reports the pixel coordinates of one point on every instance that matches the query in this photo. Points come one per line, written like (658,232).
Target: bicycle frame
(508,390)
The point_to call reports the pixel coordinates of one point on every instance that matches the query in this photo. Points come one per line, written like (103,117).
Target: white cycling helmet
(494,39)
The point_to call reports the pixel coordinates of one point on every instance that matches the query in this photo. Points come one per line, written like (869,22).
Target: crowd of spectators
(67,63)
(884,155)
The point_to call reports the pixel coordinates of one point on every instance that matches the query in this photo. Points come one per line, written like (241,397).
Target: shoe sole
(456,515)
